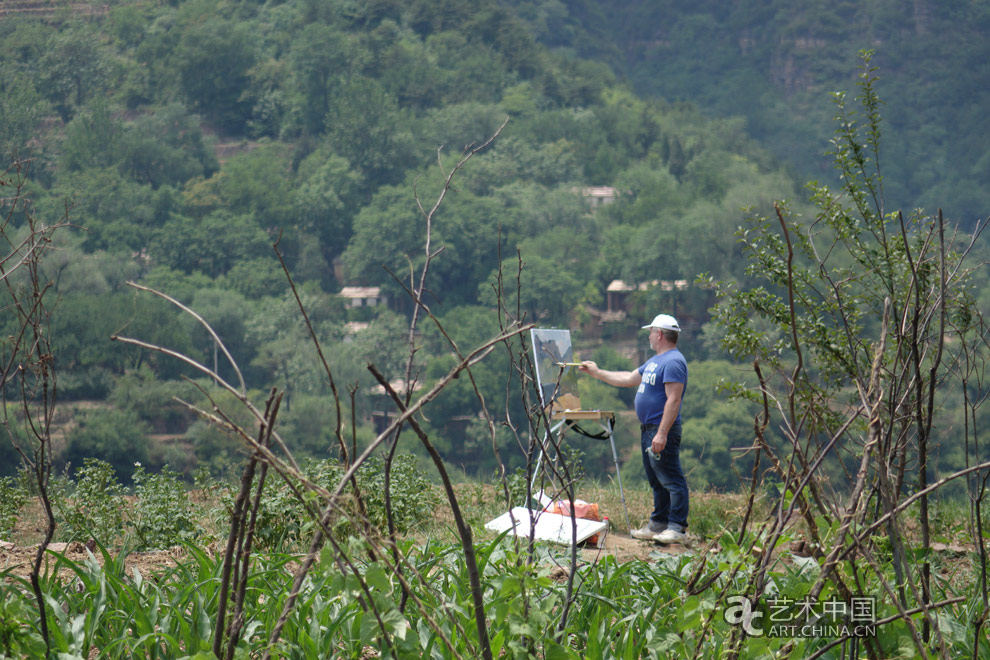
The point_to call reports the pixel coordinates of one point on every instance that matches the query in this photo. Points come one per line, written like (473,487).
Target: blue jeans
(670,490)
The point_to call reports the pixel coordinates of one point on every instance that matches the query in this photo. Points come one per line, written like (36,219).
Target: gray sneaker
(670,536)
(648,532)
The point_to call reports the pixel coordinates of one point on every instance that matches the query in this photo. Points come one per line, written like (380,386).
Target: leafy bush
(12,497)
(162,514)
(283,521)
(96,507)
(413,496)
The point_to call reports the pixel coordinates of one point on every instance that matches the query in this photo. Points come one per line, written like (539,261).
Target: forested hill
(185,137)
(774,63)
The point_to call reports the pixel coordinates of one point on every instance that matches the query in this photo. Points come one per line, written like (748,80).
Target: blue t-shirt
(668,367)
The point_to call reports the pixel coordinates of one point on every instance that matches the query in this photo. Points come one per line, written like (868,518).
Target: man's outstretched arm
(617,378)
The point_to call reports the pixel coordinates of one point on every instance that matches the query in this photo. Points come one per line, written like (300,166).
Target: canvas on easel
(556,373)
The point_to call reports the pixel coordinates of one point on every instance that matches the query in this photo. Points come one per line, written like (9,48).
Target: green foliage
(770,63)
(283,521)
(90,138)
(83,339)
(633,609)
(368,128)
(213,59)
(117,437)
(153,400)
(413,497)
(9,458)
(21,108)
(75,68)
(210,245)
(318,60)
(18,636)
(162,515)
(165,147)
(12,497)
(94,509)
(326,197)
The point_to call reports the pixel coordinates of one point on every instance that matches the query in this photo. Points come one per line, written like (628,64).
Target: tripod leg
(539,459)
(618,475)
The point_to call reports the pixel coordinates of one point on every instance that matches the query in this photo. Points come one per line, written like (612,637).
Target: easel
(553,355)
(564,419)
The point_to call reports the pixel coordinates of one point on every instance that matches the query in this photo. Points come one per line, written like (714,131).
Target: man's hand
(589,367)
(659,442)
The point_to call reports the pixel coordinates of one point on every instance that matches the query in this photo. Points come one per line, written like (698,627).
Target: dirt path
(19,559)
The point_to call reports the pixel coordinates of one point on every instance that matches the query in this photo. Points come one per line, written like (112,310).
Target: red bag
(582,510)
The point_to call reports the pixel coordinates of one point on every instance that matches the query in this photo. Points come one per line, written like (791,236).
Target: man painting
(662,381)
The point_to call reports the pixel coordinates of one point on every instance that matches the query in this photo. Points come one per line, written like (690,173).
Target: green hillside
(775,63)
(185,138)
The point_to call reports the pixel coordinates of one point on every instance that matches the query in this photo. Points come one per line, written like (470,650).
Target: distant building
(618,291)
(598,195)
(362,296)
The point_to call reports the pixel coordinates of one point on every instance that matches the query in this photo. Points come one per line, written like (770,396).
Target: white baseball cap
(664,322)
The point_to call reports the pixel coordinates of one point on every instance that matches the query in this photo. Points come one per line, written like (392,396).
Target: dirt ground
(625,548)
(19,559)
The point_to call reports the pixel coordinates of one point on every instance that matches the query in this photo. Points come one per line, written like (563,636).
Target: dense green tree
(497,27)
(165,147)
(91,138)
(10,460)
(469,71)
(272,111)
(213,59)
(82,339)
(457,126)
(24,42)
(228,312)
(74,68)
(177,284)
(152,399)
(647,191)
(319,63)
(115,436)
(255,278)
(325,200)
(366,126)
(211,245)
(21,109)
(71,269)
(307,427)
(257,183)
(115,212)
(390,233)
(128,24)
(283,351)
